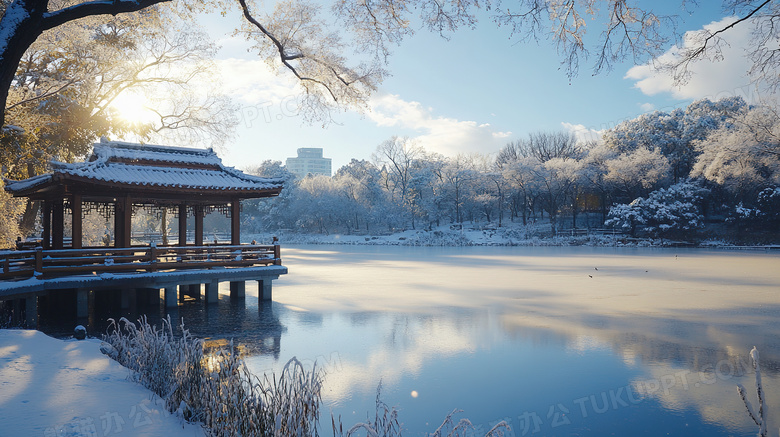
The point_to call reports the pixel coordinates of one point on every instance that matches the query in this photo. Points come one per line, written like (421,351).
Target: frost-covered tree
(594,172)
(425,189)
(525,164)
(457,176)
(363,185)
(525,188)
(398,158)
(556,178)
(744,155)
(318,205)
(673,133)
(274,213)
(638,172)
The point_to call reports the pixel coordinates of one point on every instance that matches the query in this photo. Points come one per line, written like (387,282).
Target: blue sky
(471,93)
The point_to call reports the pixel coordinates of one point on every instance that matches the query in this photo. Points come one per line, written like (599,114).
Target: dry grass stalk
(760,418)
(217,389)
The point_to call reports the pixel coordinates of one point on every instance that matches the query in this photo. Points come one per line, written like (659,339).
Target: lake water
(554,341)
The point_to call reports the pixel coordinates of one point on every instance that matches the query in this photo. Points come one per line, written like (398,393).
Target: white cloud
(583,134)
(253,82)
(647,107)
(711,79)
(440,134)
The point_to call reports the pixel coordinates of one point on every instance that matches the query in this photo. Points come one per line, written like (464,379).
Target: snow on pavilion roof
(128,164)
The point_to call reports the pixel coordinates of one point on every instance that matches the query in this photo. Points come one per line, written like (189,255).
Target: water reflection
(253,324)
(501,332)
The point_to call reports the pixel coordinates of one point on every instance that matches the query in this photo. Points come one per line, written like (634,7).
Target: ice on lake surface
(555,341)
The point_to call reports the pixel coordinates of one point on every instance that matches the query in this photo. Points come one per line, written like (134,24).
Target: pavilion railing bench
(63,262)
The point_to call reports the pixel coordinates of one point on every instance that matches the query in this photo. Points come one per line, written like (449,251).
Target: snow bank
(51,387)
(468,235)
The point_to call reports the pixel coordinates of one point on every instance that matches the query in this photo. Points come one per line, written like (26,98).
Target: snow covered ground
(51,387)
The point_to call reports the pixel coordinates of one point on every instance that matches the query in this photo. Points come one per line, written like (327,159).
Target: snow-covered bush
(663,213)
(765,212)
(627,217)
(769,204)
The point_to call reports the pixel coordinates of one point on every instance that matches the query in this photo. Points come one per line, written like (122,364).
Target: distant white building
(309,161)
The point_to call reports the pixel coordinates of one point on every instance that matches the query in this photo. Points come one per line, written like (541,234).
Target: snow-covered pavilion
(123,176)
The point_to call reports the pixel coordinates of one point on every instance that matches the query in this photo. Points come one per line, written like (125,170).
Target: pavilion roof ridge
(148,152)
(130,165)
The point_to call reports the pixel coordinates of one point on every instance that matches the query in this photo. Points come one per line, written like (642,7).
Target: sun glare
(132,107)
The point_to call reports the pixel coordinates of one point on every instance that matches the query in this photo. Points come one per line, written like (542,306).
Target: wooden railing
(52,263)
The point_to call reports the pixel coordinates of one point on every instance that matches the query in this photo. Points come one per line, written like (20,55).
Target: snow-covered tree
(673,133)
(765,212)
(457,176)
(665,212)
(524,185)
(744,155)
(397,157)
(594,172)
(556,179)
(274,213)
(637,172)
(627,216)
(363,185)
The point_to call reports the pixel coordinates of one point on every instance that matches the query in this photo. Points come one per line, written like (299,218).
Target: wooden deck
(177,270)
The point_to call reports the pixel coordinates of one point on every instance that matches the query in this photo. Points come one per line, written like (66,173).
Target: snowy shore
(512,234)
(51,387)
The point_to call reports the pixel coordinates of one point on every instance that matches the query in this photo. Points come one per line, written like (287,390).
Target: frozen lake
(555,341)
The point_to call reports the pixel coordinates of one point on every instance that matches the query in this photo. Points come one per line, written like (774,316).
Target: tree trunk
(24,23)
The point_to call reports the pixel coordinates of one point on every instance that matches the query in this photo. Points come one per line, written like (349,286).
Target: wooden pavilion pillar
(123,213)
(57,223)
(183,224)
(46,222)
(76,225)
(198,225)
(235,222)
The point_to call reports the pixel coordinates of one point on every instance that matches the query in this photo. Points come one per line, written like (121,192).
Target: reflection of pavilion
(260,333)
(118,181)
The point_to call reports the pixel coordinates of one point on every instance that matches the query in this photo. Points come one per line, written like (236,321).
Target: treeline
(663,173)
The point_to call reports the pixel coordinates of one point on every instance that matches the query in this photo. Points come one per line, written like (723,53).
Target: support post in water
(264,289)
(171,296)
(238,289)
(212,292)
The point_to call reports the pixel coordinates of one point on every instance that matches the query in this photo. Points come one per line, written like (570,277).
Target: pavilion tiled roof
(136,165)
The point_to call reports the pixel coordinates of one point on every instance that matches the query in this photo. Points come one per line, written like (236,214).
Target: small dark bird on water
(596,268)
(590,276)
